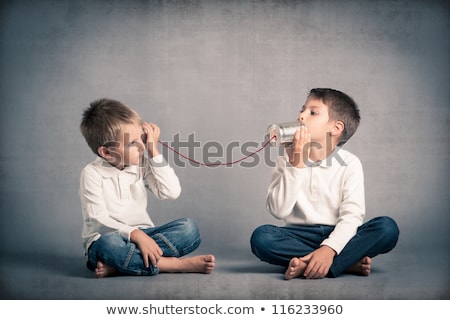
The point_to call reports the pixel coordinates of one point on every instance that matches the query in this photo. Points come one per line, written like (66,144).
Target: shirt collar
(108,171)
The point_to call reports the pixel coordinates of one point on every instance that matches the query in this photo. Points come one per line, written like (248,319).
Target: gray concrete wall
(223,71)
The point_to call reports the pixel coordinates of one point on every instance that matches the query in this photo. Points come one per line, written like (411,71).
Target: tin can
(283,133)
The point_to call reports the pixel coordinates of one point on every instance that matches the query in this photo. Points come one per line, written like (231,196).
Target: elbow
(277,212)
(172,194)
(176,193)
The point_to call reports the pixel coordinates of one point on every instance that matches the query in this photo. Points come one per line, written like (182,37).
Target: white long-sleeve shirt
(116,200)
(327,193)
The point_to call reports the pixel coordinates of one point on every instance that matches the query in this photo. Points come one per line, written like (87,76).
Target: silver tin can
(283,133)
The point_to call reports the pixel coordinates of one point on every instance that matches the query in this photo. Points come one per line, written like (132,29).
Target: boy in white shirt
(118,235)
(317,188)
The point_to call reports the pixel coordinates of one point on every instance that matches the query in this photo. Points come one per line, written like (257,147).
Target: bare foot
(197,264)
(295,269)
(362,267)
(201,264)
(102,270)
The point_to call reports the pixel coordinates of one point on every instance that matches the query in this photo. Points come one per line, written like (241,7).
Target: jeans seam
(193,244)
(168,243)
(129,255)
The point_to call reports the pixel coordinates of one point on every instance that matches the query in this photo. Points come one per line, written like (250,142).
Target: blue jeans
(176,239)
(278,245)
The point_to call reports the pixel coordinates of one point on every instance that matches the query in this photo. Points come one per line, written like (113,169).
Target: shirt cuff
(336,247)
(157,159)
(125,232)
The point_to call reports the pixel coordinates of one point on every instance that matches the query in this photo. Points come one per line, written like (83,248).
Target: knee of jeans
(189,227)
(111,241)
(391,229)
(108,242)
(260,239)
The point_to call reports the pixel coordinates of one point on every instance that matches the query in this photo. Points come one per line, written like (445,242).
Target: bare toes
(295,269)
(102,270)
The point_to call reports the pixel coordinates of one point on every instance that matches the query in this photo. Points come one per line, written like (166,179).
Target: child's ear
(103,152)
(338,128)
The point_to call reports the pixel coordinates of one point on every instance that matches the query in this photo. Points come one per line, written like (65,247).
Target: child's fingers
(304,136)
(153,127)
(306,258)
(154,260)
(301,137)
(296,143)
(147,128)
(310,270)
(146,262)
(156,129)
(152,130)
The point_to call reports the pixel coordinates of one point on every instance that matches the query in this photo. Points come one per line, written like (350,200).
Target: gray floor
(398,275)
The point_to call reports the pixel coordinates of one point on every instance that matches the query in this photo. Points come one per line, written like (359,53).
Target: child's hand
(151,252)
(318,262)
(298,151)
(152,133)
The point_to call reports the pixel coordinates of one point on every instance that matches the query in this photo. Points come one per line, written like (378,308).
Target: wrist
(154,153)
(135,235)
(152,149)
(297,164)
(329,249)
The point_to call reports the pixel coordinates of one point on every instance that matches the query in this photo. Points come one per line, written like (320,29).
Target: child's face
(314,115)
(130,147)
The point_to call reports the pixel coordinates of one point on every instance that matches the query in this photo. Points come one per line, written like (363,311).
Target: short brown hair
(102,120)
(340,107)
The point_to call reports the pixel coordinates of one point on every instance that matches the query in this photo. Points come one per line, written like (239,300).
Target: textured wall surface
(221,71)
